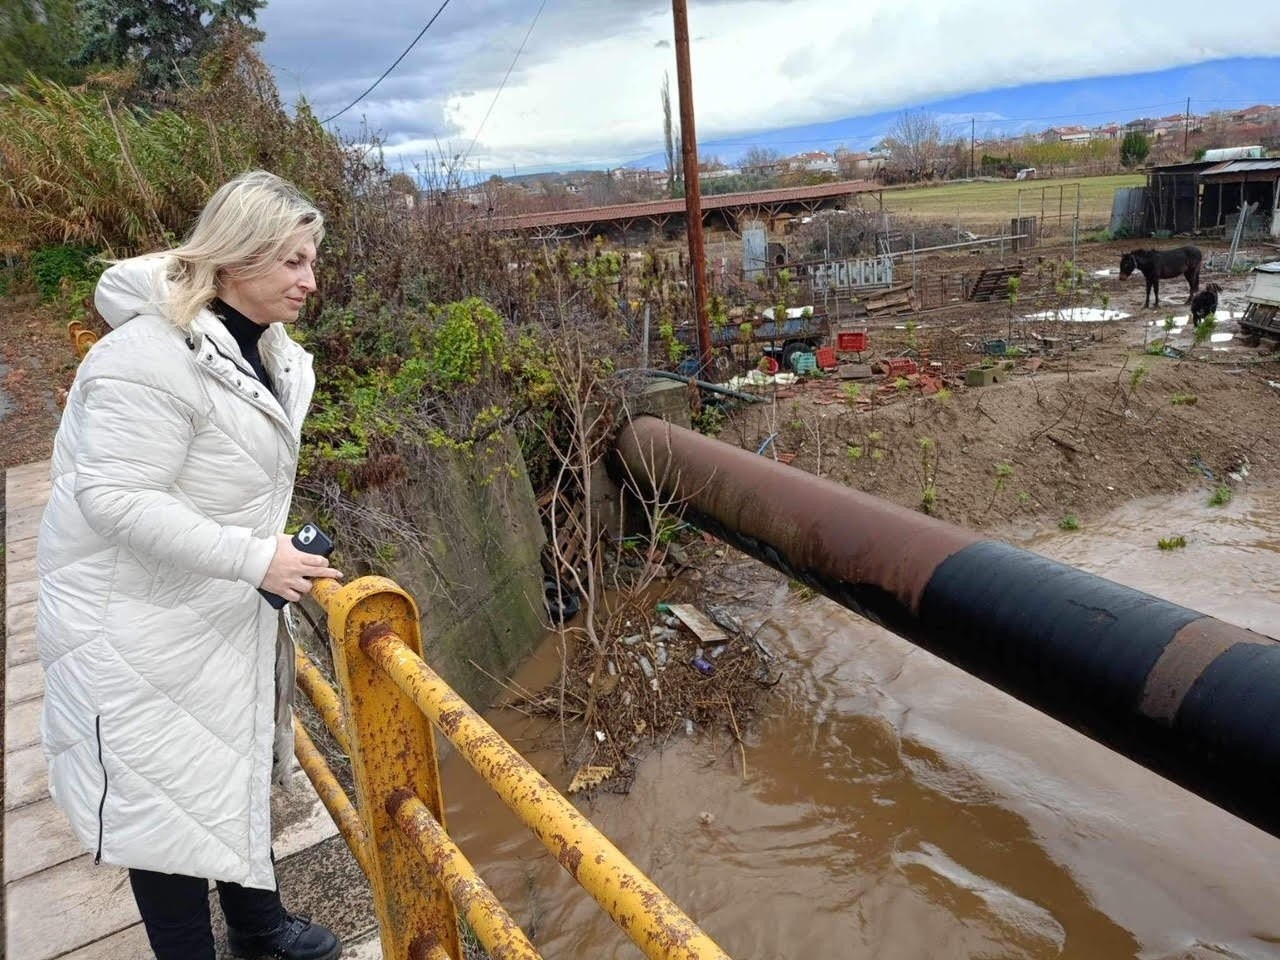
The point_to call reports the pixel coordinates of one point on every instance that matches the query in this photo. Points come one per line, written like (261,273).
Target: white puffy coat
(173,471)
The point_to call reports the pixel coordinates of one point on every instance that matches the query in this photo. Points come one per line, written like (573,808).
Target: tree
(1134,148)
(674,141)
(402,184)
(162,39)
(914,144)
(760,161)
(40,37)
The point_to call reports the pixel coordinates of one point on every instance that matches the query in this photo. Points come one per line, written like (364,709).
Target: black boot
(295,938)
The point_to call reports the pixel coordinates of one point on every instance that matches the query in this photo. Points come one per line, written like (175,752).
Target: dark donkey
(1157,265)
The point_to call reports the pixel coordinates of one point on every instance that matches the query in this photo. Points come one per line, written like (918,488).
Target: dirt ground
(37,363)
(1080,423)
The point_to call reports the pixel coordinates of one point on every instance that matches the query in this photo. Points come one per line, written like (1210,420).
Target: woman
(173,471)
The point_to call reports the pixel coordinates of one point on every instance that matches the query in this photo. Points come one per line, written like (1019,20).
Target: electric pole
(692,189)
(1186,127)
(972,141)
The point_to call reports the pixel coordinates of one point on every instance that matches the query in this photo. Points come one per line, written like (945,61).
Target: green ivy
(50,266)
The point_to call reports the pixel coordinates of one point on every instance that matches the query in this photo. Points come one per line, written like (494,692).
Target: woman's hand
(291,570)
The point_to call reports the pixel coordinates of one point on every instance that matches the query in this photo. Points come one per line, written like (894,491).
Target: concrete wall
(480,589)
(615,513)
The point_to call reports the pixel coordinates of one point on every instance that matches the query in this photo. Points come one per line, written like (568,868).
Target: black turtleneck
(247,334)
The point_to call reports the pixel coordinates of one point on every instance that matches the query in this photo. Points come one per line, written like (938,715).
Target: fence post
(392,748)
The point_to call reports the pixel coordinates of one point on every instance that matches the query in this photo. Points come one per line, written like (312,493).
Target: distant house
(856,165)
(818,161)
(1068,135)
(1112,131)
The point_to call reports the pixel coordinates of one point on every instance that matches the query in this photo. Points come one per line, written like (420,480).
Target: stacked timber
(887,302)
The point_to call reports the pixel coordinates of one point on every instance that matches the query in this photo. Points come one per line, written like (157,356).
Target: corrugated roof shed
(1253,169)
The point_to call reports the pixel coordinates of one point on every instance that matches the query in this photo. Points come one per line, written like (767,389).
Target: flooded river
(894,807)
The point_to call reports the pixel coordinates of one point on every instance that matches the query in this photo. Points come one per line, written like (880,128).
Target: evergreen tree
(41,37)
(163,39)
(1134,148)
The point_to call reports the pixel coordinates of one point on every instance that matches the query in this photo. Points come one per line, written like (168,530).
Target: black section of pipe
(1080,648)
(1047,631)
(1234,712)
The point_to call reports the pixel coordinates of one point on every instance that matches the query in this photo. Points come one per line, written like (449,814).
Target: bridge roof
(658,208)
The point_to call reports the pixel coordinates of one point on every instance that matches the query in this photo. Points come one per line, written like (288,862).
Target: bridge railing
(387,704)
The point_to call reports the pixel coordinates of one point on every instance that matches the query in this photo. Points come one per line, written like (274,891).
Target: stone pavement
(57,904)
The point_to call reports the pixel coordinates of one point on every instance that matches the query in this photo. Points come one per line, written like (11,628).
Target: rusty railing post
(392,749)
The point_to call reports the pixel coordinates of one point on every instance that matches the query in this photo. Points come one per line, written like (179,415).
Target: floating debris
(589,776)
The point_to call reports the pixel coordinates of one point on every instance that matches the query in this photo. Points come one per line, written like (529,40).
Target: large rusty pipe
(1191,697)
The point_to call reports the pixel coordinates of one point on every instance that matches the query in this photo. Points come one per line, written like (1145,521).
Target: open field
(990,203)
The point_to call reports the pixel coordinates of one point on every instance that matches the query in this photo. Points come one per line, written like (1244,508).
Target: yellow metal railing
(82,338)
(382,715)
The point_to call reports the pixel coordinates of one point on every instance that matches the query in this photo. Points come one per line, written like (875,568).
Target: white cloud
(586,89)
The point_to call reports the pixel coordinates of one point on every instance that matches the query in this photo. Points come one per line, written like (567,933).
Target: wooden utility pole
(973,129)
(692,189)
(1186,127)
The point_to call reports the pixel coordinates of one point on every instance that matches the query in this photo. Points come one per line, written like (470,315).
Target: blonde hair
(248,225)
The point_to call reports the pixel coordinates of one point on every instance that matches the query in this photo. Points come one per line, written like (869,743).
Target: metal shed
(1234,184)
(1202,196)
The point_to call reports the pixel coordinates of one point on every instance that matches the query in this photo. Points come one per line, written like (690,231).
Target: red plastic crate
(902,367)
(854,341)
(827,359)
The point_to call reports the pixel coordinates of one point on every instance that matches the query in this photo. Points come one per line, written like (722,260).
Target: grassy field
(987,204)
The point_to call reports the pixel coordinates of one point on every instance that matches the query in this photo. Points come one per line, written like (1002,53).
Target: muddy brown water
(894,807)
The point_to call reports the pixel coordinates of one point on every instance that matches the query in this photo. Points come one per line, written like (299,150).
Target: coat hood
(133,287)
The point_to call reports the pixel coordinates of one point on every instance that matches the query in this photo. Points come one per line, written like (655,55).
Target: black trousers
(175,911)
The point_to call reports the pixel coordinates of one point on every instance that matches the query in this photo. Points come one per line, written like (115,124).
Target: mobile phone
(308,539)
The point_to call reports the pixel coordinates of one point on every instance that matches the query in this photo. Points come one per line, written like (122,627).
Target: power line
(498,92)
(392,67)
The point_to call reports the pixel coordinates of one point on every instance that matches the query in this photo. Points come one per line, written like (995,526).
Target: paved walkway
(57,903)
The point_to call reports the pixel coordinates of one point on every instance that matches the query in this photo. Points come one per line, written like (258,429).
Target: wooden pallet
(896,299)
(993,283)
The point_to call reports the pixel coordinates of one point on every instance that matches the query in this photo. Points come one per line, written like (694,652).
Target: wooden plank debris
(699,623)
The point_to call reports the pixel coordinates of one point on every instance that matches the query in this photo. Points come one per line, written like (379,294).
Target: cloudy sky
(585,89)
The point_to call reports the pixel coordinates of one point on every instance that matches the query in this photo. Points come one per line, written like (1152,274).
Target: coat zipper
(97,722)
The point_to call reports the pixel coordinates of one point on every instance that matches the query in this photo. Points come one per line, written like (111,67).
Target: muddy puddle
(893,807)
